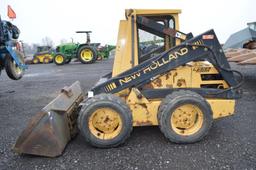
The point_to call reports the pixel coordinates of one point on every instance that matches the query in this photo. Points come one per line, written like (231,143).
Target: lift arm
(160,30)
(203,47)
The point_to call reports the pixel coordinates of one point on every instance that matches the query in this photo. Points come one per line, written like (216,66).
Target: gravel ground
(229,145)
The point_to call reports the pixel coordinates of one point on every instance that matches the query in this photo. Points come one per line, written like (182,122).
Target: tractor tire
(35,60)
(105,121)
(87,55)
(251,45)
(12,70)
(68,60)
(59,59)
(184,117)
(46,60)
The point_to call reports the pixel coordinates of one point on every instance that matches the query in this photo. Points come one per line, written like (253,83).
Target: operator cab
(137,43)
(151,43)
(252,25)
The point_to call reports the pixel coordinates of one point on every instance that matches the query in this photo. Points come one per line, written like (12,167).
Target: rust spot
(144,123)
(158,82)
(148,86)
(181,82)
(167,76)
(144,105)
(169,31)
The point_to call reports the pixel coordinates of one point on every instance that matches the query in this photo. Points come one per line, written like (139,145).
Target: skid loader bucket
(48,132)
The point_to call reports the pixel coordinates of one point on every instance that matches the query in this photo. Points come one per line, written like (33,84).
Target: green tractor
(86,53)
(104,51)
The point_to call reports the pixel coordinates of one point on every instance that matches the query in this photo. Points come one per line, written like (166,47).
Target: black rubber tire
(113,102)
(68,60)
(10,68)
(62,63)
(92,49)
(250,45)
(176,99)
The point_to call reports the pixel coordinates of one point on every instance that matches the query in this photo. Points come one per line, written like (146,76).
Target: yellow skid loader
(44,55)
(175,81)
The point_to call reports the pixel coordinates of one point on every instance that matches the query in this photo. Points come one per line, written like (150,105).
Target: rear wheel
(68,60)
(250,45)
(184,117)
(87,55)
(105,121)
(13,71)
(46,60)
(59,59)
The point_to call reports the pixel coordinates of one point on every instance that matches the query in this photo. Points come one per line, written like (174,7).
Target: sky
(59,19)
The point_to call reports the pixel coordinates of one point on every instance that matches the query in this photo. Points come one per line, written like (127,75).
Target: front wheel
(105,121)
(87,55)
(59,59)
(35,60)
(12,69)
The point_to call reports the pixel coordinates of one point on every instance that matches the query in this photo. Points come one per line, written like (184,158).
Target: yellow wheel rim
(186,119)
(86,55)
(59,59)
(35,61)
(105,123)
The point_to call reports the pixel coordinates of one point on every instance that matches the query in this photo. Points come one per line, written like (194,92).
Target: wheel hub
(86,55)
(187,119)
(105,123)
(59,59)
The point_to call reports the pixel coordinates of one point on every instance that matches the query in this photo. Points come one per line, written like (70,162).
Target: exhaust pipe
(49,131)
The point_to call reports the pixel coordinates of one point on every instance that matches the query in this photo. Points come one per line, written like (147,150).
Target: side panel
(221,107)
(146,114)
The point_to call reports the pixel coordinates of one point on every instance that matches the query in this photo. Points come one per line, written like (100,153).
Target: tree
(47,41)
(63,41)
(29,48)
